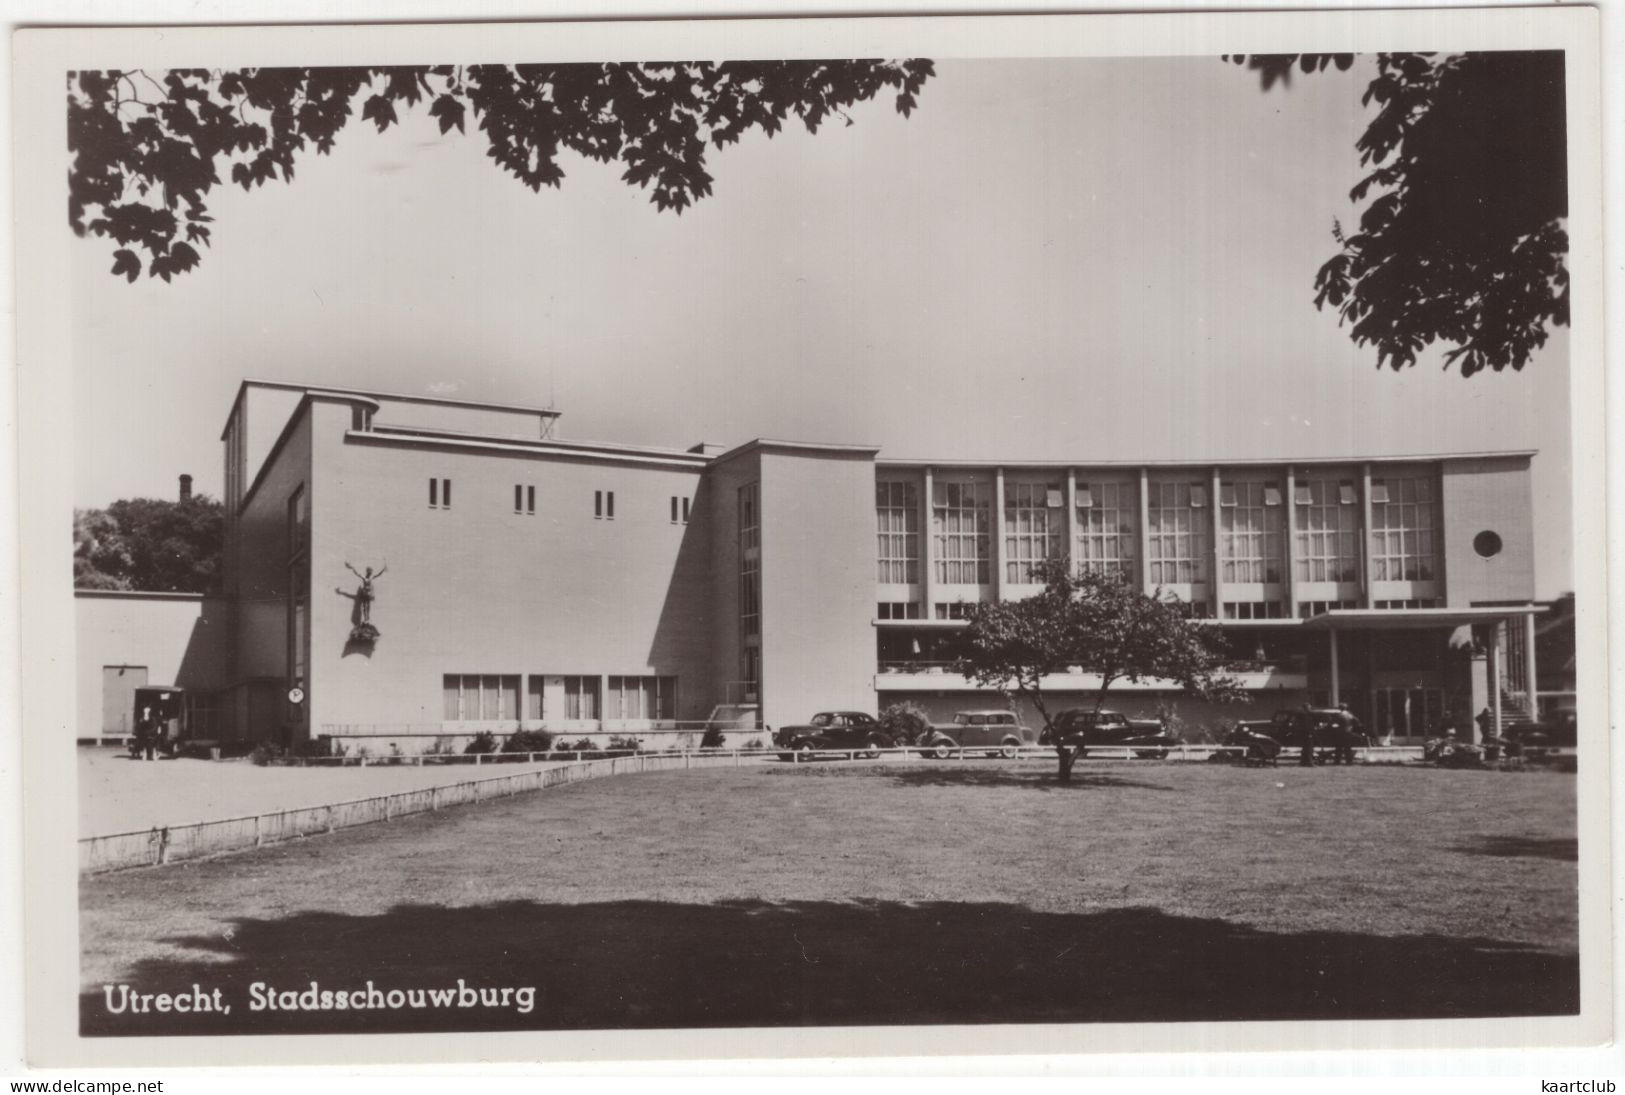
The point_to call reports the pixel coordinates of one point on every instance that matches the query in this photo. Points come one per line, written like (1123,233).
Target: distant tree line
(149,545)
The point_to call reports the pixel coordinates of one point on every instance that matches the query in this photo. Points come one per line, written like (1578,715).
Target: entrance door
(119,683)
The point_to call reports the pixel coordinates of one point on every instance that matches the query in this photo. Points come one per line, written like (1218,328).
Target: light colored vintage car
(996,731)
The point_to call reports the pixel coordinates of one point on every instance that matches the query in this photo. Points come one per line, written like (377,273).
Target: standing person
(145,730)
(1486,724)
(1306,759)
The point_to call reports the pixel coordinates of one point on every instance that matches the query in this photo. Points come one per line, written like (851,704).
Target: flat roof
(1242,462)
(396,397)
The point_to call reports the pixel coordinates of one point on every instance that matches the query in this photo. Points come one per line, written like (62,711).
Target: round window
(1487,544)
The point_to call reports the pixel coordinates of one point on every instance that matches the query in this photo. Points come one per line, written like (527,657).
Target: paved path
(120,795)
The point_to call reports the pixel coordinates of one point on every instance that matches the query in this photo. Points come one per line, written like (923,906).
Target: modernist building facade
(521,579)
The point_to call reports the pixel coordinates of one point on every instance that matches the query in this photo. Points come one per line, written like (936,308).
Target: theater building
(521,579)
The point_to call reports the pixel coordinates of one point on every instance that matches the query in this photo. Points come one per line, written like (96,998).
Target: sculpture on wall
(361,618)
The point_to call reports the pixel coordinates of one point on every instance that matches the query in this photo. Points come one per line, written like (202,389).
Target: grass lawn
(846,893)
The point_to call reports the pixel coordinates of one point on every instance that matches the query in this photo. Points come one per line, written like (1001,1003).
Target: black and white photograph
(822,533)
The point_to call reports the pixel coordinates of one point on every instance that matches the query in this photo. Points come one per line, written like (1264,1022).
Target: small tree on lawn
(1097,620)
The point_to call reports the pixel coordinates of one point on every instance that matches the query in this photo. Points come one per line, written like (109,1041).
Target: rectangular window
(524,499)
(603,505)
(1402,530)
(898,610)
(1409,712)
(533,696)
(1307,609)
(641,698)
(674,509)
(1033,531)
(956,610)
(1108,520)
(685,510)
(609,505)
(598,504)
(679,510)
(581,697)
(1254,610)
(440,494)
(959,517)
(1327,548)
(897,521)
(480,697)
(750,563)
(298,525)
(1250,534)
(1179,539)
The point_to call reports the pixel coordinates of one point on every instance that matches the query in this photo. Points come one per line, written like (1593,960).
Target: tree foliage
(148,150)
(149,545)
(1097,620)
(1462,238)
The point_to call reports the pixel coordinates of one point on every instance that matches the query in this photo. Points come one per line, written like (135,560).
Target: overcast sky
(1069,259)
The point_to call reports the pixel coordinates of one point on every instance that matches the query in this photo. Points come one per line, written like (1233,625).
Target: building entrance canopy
(1375,619)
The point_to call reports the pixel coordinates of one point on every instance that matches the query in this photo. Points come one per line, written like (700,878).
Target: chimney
(186,488)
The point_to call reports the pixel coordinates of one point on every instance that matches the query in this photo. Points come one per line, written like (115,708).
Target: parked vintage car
(834,731)
(1335,731)
(1083,727)
(1000,732)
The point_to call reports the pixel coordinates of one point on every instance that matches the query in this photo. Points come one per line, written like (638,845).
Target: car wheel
(871,751)
(942,750)
(804,750)
(1008,750)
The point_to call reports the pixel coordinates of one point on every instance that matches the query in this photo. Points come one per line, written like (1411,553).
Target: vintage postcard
(1033,534)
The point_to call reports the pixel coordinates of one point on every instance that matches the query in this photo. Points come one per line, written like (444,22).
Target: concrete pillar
(1531,681)
(996,520)
(1337,694)
(1144,546)
(928,545)
(1366,598)
(1478,675)
(1289,545)
(1216,556)
(1070,549)
(1495,679)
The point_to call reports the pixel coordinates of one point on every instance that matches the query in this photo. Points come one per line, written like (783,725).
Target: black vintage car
(1082,728)
(834,731)
(1331,730)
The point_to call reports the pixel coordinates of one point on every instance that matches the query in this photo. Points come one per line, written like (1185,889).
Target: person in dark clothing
(1307,758)
(146,734)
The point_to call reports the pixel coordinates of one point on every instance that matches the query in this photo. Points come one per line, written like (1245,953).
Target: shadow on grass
(1565,849)
(650,964)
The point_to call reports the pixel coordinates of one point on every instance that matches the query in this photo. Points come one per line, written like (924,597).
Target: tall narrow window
(440,494)
(1033,528)
(674,509)
(533,696)
(750,574)
(1403,520)
(598,504)
(1327,547)
(1178,531)
(609,505)
(581,697)
(1108,517)
(685,511)
(1250,540)
(897,520)
(603,505)
(959,517)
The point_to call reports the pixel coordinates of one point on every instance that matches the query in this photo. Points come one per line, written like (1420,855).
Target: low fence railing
(170,844)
